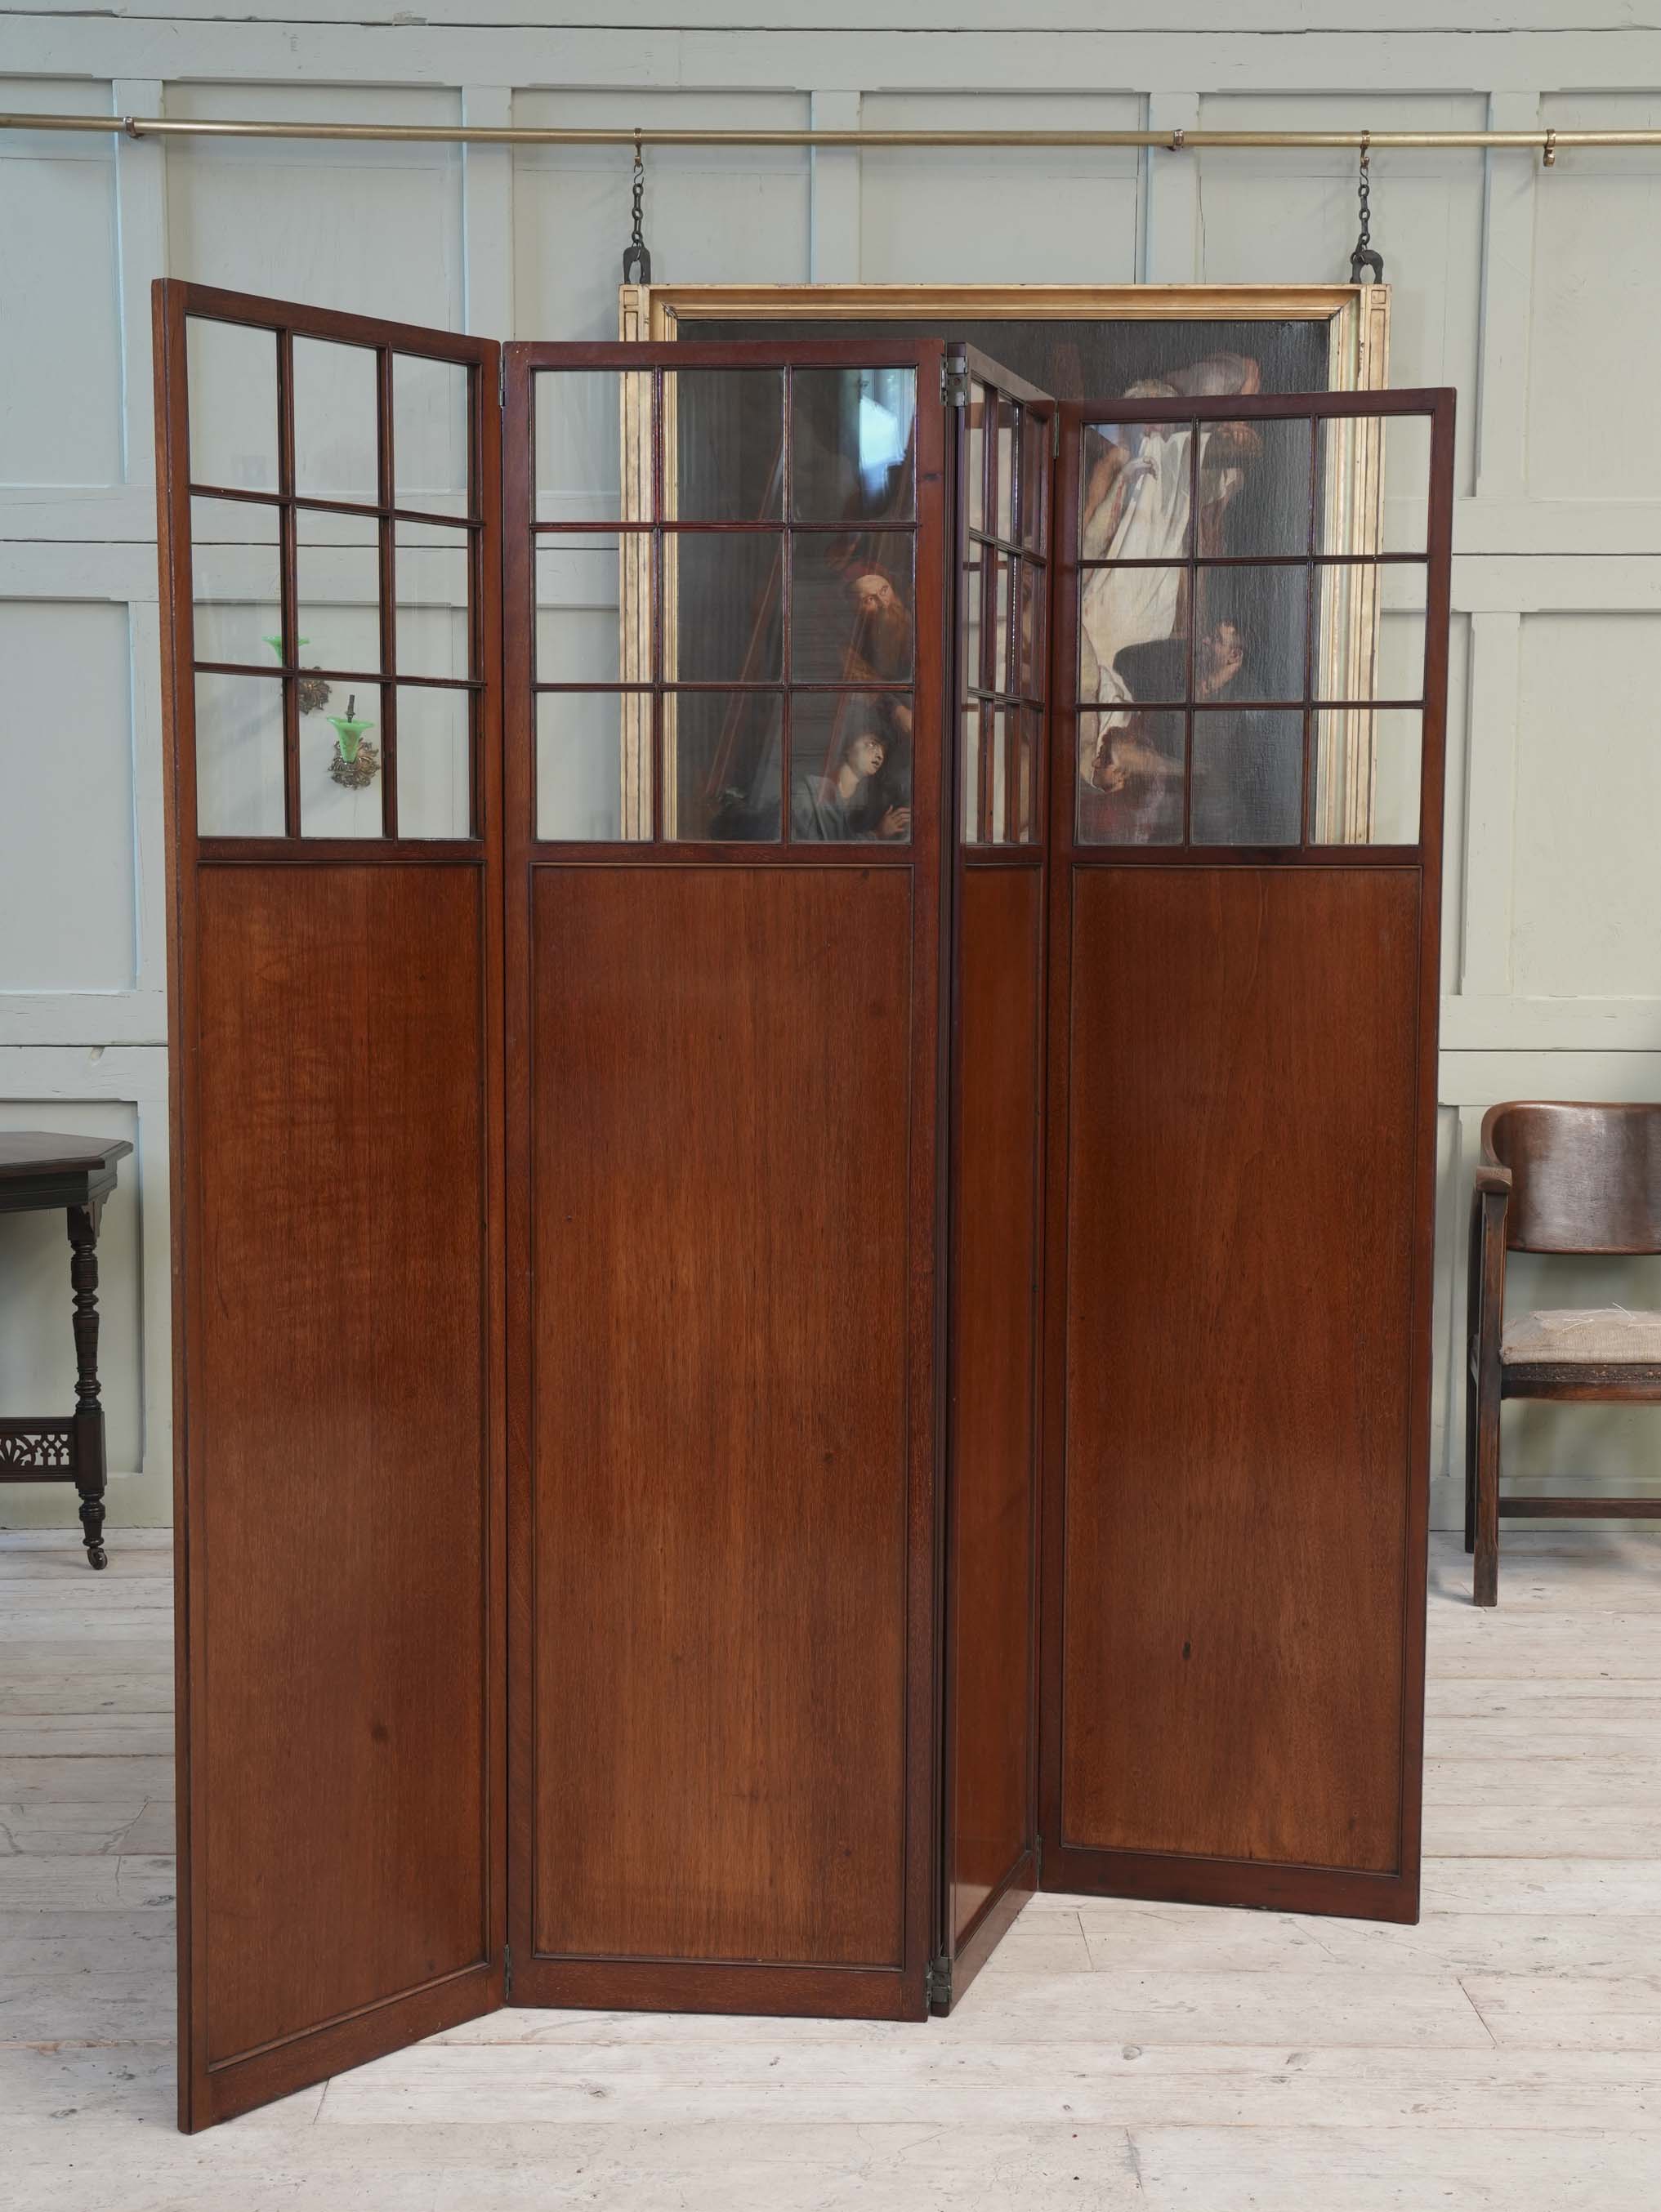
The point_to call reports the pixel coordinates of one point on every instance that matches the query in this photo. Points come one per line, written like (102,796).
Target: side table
(38,1171)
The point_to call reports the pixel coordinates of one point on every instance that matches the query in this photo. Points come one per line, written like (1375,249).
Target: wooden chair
(1555,1178)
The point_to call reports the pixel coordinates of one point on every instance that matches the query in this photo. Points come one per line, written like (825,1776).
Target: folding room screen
(803,1021)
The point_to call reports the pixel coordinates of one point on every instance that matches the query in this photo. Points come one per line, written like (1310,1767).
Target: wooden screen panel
(991,1556)
(721,1413)
(1004,458)
(342,1354)
(1239,1364)
(725,1084)
(335,1033)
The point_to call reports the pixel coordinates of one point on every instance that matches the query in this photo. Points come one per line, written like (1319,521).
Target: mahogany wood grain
(341,1441)
(991,1563)
(721,1171)
(996,1916)
(1239,1362)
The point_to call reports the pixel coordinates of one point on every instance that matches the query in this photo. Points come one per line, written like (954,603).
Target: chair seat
(1598,1335)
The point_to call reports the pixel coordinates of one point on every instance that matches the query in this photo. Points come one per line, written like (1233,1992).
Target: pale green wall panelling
(1530,291)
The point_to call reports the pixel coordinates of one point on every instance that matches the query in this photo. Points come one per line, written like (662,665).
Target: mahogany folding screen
(763,936)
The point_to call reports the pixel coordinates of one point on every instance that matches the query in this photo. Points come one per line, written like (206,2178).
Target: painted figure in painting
(846,802)
(881,645)
(1152,504)
(1138,504)
(1132,764)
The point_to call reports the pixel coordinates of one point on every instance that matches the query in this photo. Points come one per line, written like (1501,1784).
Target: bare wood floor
(1505,2053)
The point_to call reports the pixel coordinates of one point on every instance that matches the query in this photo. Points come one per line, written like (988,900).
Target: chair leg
(1485,1577)
(1471,1445)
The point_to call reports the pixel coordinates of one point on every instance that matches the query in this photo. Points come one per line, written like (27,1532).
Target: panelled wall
(1533,291)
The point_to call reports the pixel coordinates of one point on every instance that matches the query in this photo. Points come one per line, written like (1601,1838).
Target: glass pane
(979,401)
(721,764)
(595,609)
(236,582)
(1374,483)
(850,615)
(999,729)
(1135,493)
(1029,636)
(1003,592)
(1371,639)
(1029,754)
(232,373)
(593,445)
(1255,487)
(338,585)
(969,776)
(1133,635)
(434,570)
(1004,507)
(434,762)
(340,767)
(336,454)
(1248,778)
(971,660)
(1407,483)
(1035,482)
(1130,779)
(1249,633)
(850,780)
(593,773)
(853,447)
(723,620)
(1346,661)
(724,454)
(239,756)
(432,433)
(1367,767)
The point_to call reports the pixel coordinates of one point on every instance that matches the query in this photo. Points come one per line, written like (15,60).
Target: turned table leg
(89,1463)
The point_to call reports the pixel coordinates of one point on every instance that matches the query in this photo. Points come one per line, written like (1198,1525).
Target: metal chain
(636,261)
(1364,256)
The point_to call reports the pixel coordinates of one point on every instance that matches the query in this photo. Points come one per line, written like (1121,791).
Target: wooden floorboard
(1505,2053)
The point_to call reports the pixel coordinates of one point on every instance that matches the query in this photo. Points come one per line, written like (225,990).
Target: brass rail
(1548,144)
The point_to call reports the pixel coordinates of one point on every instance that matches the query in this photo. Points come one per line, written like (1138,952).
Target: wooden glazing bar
(386,466)
(288,558)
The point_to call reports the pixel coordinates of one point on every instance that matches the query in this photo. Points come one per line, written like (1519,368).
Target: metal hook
(1548,151)
(1364,256)
(636,261)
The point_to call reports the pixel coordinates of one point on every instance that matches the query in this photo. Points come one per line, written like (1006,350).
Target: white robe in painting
(1144,517)
(1140,501)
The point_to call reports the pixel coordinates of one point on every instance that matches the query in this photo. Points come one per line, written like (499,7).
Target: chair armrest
(1490,1202)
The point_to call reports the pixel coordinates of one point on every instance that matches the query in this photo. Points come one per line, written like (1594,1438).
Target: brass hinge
(954,382)
(937,1983)
(502,378)
(507,1974)
(1056,435)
